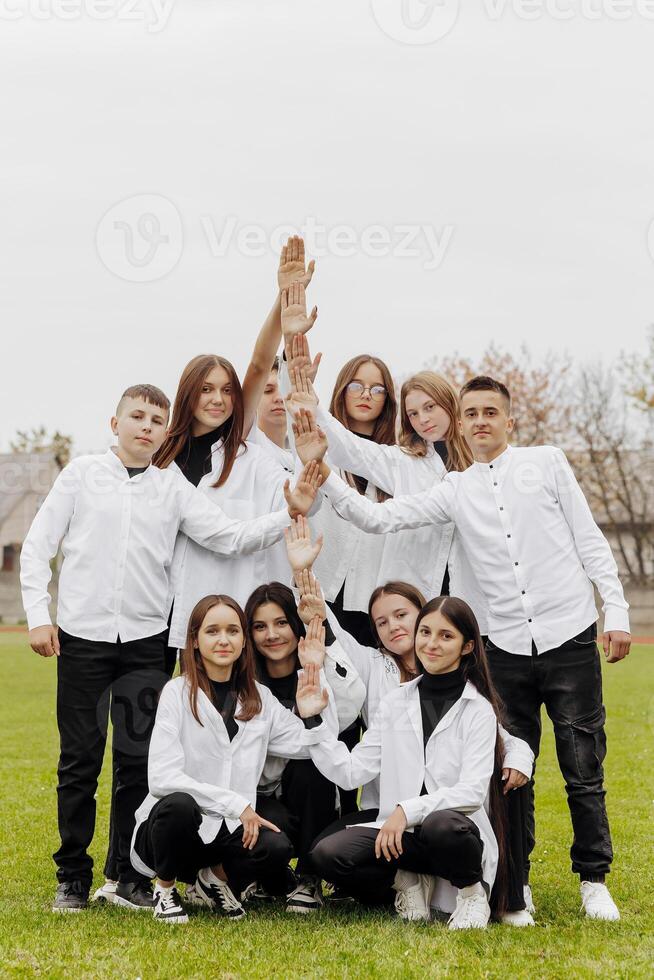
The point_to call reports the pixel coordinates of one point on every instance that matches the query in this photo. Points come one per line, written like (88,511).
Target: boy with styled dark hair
(536,550)
(117,518)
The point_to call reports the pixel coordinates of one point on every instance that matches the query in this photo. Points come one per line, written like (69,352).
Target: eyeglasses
(356,388)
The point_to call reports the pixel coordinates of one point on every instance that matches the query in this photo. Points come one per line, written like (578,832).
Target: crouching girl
(439,839)
(214,727)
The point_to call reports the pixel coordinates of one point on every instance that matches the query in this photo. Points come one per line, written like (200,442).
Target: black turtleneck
(224,701)
(440,446)
(195,458)
(438,692)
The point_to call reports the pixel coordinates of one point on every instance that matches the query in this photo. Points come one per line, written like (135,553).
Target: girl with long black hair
(440,835)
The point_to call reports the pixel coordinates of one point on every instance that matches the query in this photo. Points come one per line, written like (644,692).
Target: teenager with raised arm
(215,724)
(536,551)
(117,518)
(394,609)
(439,836)
(271,430)
(294,794)
(429,445)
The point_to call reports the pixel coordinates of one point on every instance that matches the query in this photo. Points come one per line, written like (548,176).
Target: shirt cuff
(413,811)
(238,805)
(311,736)
(312,722)
(334,487)
(616,618)
(39,616)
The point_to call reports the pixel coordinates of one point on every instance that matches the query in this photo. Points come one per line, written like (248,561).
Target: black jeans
(91,676)
(169,842)
(446,844)
(307,805)
(568,681)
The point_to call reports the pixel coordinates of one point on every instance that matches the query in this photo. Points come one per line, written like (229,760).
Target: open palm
(294,311)
(291,264)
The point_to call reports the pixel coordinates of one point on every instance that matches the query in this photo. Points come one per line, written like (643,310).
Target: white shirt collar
(496,463)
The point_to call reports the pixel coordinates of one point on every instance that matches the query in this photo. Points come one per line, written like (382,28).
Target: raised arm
(291,271)
(597,558)
(39,548)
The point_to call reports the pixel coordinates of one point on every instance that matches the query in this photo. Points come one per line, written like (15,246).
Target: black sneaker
(72,896)
(135,895)
(168,907)
(219,897)
(306,896)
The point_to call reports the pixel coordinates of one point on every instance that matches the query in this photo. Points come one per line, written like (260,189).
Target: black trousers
(111,861)
(307,805)
(446,844)
(95,679)
(169,842)
(568,681)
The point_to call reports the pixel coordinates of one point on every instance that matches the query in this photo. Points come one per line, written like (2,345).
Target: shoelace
(225,897)
(170,902)
(469,905)
(304,887)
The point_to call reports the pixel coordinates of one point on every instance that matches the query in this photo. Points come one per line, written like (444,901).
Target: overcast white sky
(524,147)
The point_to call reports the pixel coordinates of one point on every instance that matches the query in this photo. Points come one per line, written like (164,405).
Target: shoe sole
(81,909)
(125,904)
(104,899)
(303,911)
(173,920)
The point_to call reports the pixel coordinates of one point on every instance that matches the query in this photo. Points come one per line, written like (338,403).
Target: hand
(298,356)
(251,823)
(300,499)
(300,549)
(291,264)
(513,779)
(302,393)
(44,640)
(311,648)
(294,311)
(311,700)
(310,440)
(312,602)
(388,842)
(616,643)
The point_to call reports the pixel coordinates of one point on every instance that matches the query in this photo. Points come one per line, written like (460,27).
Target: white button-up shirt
(529,536)
(118,536)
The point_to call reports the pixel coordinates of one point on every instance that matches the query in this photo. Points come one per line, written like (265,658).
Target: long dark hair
(384,431)
(243,680)
(188,394)
(475,669)
(283,597)
(412,595)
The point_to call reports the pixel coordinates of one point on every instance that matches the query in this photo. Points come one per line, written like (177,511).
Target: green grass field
(107,942)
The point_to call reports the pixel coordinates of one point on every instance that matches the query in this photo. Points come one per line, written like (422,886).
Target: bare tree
(614,465)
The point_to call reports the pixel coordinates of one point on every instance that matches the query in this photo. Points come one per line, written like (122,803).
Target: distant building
(25,479)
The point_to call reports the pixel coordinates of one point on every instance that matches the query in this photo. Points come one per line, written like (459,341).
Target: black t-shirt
(135,470)
(438,692)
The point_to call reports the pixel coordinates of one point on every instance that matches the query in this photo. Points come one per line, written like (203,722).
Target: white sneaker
(217,895)
(413,896)
(520,918)
(529,900)
(106,892)
(168,907)
(597,903)
(472,909)
(191,897)
(306,896)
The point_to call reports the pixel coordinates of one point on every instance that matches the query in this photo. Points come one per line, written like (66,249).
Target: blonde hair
(445,396)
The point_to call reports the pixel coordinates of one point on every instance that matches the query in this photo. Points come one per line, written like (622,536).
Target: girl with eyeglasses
(429,445)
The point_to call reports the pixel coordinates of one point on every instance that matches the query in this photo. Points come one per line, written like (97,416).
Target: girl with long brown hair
(429,445)
(436,746)
(212,415)
(214,727)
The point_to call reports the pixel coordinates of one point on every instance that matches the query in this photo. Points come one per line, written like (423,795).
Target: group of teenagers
(365,605)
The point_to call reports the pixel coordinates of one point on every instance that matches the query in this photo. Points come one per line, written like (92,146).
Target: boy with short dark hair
(117,518)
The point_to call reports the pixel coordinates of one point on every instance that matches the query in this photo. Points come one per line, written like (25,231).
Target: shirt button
(508,535)
(491,466)
(523,592)
(515,563)
(528,620)
(494,484)
(501,508)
